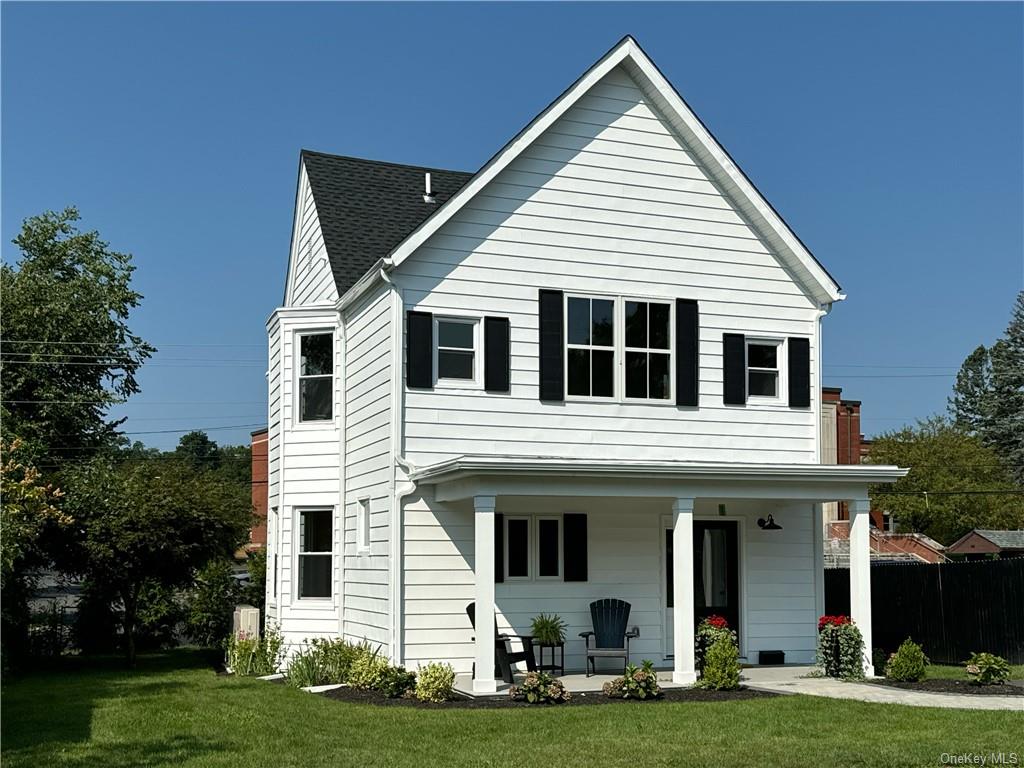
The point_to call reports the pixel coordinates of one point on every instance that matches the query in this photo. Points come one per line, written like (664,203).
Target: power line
(119,344)
(144,402)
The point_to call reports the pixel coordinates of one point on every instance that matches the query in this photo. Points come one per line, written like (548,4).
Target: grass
(173,710)
(948,672)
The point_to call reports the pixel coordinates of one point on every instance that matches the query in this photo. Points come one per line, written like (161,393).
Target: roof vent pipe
(428,195)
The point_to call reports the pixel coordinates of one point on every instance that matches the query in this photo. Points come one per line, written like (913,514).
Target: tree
(971,406)
(956,470)
(198,449)
(1005,432)
(67,350)
(144,524)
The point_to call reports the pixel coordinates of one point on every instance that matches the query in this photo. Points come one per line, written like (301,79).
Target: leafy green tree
(144,524)
(198,449)
(211,603)
(67,349)
(956,469)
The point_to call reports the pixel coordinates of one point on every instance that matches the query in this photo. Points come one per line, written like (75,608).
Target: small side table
(560,665)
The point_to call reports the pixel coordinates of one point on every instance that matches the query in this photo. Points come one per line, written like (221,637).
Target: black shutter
(496,354)
(499,547)
(574,547)
(799,372)
(687,351)
(734,369)
(552,380)
(419,349)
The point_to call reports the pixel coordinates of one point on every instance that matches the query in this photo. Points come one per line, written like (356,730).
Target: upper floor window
(590,341)
(606,335)
(455,351)
(763,368)
(648,345)
(316,377)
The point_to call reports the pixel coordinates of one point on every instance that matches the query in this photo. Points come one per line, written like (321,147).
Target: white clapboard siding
(273,466)
(367,466)
(625,556)
(607,201)
(307,476)
(310,279)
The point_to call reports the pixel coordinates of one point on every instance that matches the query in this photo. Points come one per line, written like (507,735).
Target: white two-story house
(590,369)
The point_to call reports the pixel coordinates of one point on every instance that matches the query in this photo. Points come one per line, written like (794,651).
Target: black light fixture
(769,524)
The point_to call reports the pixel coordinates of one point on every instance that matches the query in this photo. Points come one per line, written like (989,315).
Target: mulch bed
(955,686)
(578,699)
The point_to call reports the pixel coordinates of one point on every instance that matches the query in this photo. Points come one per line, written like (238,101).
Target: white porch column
(860,574)
(483,525)
(684,670)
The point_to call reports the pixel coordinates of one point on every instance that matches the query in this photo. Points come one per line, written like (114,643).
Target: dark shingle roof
(1003,539)
(367,207)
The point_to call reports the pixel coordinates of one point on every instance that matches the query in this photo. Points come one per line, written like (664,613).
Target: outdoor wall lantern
(769,524)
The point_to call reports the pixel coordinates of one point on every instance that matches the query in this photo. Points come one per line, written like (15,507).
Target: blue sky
(888,135)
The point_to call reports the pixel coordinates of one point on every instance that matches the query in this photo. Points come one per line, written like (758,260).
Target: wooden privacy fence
(951,609)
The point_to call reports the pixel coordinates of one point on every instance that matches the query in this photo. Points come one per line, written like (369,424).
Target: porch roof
(466,476)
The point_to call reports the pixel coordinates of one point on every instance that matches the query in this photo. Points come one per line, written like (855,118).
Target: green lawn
(174,710)
(946,672)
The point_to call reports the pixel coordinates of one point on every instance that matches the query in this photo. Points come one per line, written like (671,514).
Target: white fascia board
(474,466)
(327,311)
(806,270)
(293,244)
(364,283)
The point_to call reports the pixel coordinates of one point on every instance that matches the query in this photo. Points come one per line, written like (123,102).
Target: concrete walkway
(794,680)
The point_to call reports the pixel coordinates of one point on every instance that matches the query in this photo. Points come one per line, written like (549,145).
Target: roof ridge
(304,151)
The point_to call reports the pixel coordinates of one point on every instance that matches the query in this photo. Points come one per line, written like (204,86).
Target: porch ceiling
(467,476)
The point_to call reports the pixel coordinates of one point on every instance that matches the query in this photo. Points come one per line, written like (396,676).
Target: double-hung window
(590,338)
(316,377)
(648,347)
(763,368)
(455,351)
(316,534)
(533,547)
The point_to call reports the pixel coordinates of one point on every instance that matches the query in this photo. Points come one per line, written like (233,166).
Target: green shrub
(368,670)
(709,631)
(337,656)
(306,668)
(251,656)
(988,669)
(636,683)
(211,603)
(548,630)
(907,664)
(435,682)
(540,688)
(721,666)
(840,648)
(397,681)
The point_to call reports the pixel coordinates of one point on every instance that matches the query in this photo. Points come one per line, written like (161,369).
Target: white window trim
(619,349)
(530,549)
(297,377)
(536,547)
(780,369)
(477,381)
(670,351)
(298,553)
(364,519)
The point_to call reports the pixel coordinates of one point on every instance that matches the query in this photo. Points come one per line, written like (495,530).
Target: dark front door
(716,583)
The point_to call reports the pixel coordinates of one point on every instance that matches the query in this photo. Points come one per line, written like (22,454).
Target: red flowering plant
(709,630)
(840,648)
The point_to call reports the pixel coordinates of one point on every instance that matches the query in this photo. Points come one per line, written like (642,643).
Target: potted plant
(548,630)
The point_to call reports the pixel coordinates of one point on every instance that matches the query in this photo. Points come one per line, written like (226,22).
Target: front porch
(647,543)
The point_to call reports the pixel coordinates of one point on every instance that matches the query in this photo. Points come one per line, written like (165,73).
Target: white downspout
(342,458)
(398,491)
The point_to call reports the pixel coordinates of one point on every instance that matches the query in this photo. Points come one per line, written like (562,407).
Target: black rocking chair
(503,657)
(611,640)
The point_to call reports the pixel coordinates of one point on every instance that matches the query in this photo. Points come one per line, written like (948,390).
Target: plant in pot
(548,630)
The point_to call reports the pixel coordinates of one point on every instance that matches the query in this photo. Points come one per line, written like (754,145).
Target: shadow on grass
(53,707)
